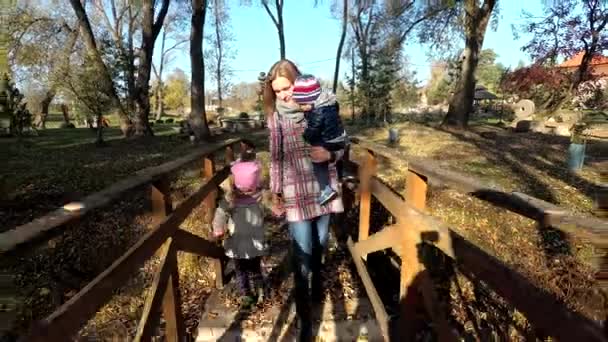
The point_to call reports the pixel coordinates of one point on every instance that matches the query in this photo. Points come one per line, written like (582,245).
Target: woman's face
(283,88)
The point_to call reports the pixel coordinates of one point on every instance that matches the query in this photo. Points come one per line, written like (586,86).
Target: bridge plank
(69,317)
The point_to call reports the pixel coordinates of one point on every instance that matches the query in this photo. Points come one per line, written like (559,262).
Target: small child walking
(324,126)
(244,215)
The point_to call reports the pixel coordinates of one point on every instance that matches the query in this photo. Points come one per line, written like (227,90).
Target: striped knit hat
(306,89)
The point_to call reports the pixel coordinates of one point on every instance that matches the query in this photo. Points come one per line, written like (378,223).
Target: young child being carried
(324,126)
(243,212)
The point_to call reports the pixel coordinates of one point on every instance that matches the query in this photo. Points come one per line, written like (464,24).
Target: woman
(295,189)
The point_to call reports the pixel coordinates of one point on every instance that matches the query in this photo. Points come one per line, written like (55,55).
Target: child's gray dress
(246,228)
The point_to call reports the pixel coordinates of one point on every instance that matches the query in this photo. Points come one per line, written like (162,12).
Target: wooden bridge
(412,236)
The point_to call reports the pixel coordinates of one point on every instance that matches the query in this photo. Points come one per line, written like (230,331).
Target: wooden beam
(415,191)
(410,298)
(210,201)
(381,315)
(388,237)
(365,175)
(175,329)
(150,315)
(69,317)
(160,196)
(191,243)
(40,228)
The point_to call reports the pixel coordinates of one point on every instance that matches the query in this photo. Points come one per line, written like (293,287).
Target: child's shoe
(327,195)
(247,302)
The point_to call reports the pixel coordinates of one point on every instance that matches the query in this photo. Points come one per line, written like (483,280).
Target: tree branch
(274,20)
(419,20)
(176,45)
(109,25)
(158,24)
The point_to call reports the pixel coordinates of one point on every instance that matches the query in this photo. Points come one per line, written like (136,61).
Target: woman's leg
(319,245)
(301,235)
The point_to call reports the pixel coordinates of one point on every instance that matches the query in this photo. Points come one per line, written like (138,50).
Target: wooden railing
(414,229)
(164,240)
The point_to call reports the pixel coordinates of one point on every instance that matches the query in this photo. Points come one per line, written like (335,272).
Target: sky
(312,36)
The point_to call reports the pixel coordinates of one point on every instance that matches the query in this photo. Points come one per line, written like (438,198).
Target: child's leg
(242,276)
(321,171)
(255,274)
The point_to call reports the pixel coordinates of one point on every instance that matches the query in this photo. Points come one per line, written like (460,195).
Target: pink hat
(246,175)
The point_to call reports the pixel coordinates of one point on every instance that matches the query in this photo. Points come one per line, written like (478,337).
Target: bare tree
(150,29)
(172,30)
(198,117)
(277,19)
(220,51)
(108,83)
(341,44)
(116,17)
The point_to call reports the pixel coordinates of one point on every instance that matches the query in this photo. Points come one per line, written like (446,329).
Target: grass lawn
(41,173)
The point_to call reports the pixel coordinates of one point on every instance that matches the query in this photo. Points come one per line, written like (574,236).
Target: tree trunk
(89,39)
(58,78)
(198,117)
(461,103)
(130,72)
(44,108)
(66,114)
(218,70)
(582,72)
(281,27)
(159,89)
(341,44)
(160,107)
(99,141)
(150,31)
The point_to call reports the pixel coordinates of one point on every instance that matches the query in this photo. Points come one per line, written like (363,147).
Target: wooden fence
(415,229)
(165,240)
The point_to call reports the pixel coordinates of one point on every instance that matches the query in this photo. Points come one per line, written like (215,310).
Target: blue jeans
(321,172)
(309,239)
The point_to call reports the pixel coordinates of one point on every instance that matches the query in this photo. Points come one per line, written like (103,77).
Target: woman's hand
(277,205)
(319,154)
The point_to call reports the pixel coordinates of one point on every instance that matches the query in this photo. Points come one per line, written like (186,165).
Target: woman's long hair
(283,68)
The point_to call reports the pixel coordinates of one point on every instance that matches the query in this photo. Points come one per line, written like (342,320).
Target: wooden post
(208,171)
(365,176)
(209,202)
(347,194)
(411,267)
(161,199)
(416,188)
(172,304)
(229,158)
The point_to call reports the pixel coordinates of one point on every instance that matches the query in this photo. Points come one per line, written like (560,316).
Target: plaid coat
(291,172)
